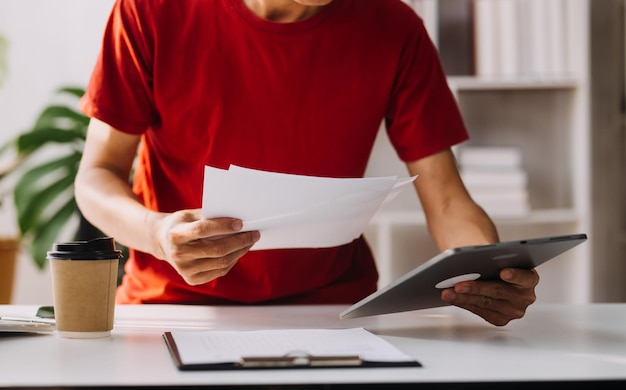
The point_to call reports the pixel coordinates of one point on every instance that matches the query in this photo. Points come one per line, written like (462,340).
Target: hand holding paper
(295,211)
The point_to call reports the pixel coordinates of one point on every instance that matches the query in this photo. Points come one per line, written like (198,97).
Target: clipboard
(421,287)
(191,351)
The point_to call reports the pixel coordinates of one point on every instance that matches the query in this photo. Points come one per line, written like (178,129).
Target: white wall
(51,44)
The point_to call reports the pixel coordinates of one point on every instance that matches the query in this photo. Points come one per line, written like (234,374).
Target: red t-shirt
(209,83)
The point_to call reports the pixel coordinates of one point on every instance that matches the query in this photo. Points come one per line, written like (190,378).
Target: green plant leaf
(43,191)
(32,210)
(9,165)
(63,116)
(32,195)
(47,232)
(30,180)
(32,141)
(76,91)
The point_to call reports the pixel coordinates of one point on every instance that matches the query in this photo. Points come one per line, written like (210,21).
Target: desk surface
(551,343)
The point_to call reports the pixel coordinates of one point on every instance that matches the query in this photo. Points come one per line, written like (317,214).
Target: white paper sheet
(296,211)
(223,346)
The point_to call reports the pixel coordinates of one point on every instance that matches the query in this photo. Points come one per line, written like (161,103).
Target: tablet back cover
(421,287)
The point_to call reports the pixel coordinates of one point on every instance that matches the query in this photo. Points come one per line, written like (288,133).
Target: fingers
(494,311)
(204,270)
(203,260)
(520,277)
(222,251)
(188,225)
(498,302)
(202,249)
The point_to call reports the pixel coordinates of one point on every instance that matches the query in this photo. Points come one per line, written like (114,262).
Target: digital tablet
(421,287)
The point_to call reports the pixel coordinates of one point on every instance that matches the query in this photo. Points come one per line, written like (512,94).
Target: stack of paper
(495,179)
(295,211)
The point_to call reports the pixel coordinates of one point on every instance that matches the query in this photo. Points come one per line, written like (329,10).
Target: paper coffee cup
(84,280)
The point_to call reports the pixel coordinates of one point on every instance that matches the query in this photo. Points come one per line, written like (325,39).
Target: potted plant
(43,165)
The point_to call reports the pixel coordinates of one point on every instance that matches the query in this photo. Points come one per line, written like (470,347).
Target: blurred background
(548,95)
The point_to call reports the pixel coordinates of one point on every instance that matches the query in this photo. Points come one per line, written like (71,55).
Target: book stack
(495,179)
(515,38)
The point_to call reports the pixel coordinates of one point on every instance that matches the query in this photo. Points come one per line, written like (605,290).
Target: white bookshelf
(458,84)
(548,118)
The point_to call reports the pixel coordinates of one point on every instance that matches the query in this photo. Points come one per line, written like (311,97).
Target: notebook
(11,324)
(421,287)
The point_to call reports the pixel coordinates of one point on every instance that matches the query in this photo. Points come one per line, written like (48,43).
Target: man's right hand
(200,249)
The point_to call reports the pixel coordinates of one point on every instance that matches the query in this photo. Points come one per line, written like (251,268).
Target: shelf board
(478,83)
(543,216)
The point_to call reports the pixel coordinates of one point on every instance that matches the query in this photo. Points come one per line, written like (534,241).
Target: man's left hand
(498,301)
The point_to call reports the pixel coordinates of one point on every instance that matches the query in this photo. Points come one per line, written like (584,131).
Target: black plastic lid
(102,248)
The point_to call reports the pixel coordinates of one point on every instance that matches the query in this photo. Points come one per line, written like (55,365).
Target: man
(292,86)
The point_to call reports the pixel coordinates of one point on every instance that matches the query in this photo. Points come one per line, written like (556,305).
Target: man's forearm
(468,226)
(106,201)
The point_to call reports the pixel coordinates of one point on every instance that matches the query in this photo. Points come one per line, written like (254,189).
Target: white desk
(552,343)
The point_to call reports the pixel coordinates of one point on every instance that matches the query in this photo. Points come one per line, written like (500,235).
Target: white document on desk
(279,348)
(297,211)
